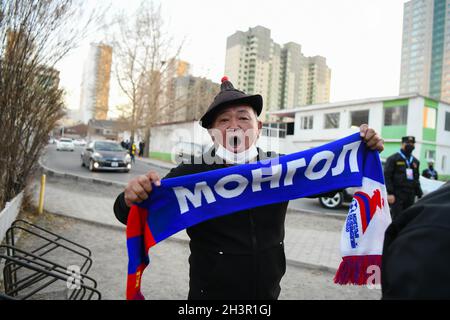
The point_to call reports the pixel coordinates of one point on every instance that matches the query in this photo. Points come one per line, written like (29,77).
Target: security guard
(429,172)
(401,173)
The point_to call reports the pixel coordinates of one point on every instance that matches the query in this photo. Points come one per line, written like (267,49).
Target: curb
(159,165)
(65,175)
(337,216)
(310,266)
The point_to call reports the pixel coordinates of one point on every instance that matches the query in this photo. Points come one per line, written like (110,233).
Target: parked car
(79,142)
(105,155)
(65,144)
(346,195)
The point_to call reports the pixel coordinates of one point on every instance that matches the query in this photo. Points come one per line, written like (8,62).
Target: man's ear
(260,124)
(259,127)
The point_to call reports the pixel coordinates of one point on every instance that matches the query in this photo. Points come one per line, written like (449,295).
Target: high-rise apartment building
(94,101)
(425,66)
(281,74)
(319,76)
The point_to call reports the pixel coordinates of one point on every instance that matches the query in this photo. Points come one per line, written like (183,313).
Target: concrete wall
(9,214)
(164,138)
(442,142)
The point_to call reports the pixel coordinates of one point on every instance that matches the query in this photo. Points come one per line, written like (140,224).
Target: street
(70,162)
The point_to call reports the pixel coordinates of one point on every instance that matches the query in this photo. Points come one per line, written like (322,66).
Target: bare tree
(143,55)
(34,36)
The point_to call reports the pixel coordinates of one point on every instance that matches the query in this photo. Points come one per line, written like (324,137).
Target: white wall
(164,138)
(442,141)
(305,139)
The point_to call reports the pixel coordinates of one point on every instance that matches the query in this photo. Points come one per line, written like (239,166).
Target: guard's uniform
(402,180)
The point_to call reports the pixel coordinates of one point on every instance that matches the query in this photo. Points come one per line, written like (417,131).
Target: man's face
(236,128)
(408,146)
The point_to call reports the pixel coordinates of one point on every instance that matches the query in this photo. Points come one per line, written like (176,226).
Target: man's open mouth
(234,141)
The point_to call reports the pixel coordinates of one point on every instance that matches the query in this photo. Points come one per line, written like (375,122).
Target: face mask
(430,167)
(237,158)
(409,148)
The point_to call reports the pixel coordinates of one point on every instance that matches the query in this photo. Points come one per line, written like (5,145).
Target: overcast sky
(361,39)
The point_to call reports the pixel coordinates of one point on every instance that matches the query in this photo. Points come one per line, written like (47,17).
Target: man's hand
(371,138)
(391,199)
(138,188)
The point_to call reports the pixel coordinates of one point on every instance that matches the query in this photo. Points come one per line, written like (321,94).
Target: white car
(79,142)
(346,195)
(65,144)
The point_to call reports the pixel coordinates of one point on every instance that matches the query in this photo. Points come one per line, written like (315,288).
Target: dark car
(346,195)
(105,155)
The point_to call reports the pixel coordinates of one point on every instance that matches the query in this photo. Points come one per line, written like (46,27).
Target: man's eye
(243,118)
(223,120)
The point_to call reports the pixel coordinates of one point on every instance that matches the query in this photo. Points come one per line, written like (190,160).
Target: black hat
(408,139)
(229,96)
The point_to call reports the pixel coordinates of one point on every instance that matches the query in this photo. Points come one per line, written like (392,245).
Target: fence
(9,214)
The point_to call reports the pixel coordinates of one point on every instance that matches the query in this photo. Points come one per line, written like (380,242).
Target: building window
(306,123)
(358,118)
(429,118)
(395,116)
(332,120)
(430,155)
(447,121)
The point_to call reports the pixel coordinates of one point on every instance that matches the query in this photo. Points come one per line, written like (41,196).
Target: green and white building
(394,117)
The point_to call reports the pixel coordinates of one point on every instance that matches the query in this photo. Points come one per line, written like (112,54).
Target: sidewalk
(311,246)
(311,240)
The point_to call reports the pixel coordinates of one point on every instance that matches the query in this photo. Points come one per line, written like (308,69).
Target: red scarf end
(358,270)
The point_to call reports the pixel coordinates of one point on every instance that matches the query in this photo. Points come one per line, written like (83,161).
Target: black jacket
(427,173)
(416,251)
(395,176)
(237,256)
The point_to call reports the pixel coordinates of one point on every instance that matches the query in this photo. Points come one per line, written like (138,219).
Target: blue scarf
(185,201)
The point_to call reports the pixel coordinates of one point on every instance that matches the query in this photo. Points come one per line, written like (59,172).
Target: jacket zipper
(255,260)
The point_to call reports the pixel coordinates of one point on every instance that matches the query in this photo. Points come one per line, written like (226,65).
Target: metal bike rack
(27,272)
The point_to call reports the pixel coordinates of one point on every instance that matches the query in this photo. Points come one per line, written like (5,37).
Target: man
(416,250)
(141,149)
(429,172)
(237,256)
(132,151)
(402,175)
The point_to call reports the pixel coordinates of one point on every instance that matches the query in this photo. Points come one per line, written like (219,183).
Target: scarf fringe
(353,269)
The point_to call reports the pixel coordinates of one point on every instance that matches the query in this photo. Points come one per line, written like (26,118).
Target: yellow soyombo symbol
(138,278)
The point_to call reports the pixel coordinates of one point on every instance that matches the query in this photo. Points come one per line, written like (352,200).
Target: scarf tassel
(355,269)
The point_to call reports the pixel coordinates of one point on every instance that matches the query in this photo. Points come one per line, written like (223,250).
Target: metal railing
(32,270)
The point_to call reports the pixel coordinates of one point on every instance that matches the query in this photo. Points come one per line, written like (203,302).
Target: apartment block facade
(281,74)
(94,100)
